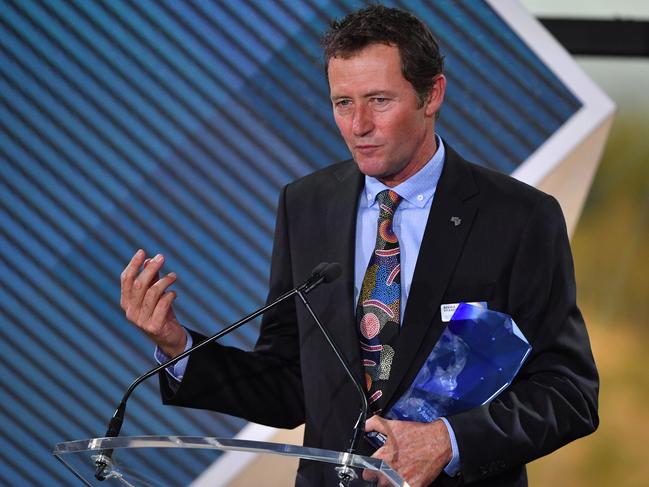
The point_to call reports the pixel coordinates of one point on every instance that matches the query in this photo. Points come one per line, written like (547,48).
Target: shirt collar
(417,189)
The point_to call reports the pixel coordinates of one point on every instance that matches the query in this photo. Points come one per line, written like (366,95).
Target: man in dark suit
(461,233)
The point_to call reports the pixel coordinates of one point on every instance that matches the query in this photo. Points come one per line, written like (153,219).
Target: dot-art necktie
(378,310)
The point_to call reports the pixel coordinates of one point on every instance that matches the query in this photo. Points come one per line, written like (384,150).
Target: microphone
(322,273)
(346,474)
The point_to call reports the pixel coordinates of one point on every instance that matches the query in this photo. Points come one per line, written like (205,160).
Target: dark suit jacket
(510,249)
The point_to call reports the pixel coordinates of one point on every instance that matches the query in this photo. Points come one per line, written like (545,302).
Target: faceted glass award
(477,356)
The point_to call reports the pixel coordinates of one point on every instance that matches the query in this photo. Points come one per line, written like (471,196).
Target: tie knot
(388,201)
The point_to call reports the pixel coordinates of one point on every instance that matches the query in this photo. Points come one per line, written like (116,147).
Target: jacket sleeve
(553,399)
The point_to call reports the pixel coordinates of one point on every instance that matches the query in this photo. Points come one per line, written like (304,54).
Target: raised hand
(148,304)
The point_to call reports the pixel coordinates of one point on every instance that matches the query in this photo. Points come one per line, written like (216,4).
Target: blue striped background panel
(172,126)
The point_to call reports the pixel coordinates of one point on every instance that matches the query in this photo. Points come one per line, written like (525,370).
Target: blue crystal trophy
(477,357)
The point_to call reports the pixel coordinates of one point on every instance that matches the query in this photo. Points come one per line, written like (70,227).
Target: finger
(375,476)
(143,281)
(128,276)
(370,475)
(377,423)
(152,296)
(146,263)
(162,307)
(382,454)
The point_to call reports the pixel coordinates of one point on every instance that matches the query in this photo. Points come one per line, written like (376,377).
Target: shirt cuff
(453,466)
(177,370)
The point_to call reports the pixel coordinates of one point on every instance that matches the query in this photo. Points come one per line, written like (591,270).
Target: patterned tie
(378,310)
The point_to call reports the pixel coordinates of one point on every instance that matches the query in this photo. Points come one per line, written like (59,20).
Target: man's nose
(362,122)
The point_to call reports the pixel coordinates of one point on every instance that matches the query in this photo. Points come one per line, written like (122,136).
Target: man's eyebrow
(369,94)
(378,93)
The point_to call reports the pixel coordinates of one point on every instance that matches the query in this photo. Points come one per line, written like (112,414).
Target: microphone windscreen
(331,272)
(317,270)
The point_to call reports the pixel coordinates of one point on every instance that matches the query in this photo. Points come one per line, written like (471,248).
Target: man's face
(377,112)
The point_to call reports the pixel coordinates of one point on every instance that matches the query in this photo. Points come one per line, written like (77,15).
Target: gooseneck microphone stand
(345,473)
(323,273)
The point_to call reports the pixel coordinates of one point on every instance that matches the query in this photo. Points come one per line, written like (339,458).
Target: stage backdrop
(171,126)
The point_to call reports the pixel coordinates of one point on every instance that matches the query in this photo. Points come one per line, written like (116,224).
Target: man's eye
(381,103)
(343,106)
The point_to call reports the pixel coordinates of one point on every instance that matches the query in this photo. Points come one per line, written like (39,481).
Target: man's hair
(421,60)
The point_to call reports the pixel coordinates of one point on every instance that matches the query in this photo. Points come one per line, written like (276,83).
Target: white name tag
(448,309)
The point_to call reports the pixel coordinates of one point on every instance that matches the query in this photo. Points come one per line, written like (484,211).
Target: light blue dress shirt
(409,224)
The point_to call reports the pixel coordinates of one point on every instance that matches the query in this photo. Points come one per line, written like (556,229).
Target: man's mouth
(367,148)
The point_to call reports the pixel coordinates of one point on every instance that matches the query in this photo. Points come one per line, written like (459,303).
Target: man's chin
(372,168)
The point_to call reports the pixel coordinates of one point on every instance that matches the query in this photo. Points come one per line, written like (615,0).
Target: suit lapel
(440,249)
(341,243)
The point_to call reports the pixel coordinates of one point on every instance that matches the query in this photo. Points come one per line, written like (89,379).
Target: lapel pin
(456,220)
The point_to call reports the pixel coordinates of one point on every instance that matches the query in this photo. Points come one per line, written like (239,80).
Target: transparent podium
(138,461)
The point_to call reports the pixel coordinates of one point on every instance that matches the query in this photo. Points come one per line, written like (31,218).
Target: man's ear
(436,96)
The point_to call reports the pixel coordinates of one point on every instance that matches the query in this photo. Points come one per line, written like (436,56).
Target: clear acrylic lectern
(134,461)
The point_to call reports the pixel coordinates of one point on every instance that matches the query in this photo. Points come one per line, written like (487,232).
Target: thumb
(377,423)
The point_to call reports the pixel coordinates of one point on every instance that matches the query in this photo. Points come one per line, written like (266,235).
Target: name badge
(447,310)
